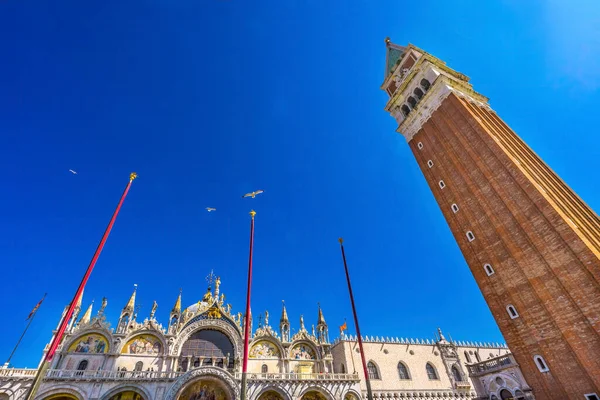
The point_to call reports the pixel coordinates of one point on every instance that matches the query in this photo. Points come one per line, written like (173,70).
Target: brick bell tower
(532,245)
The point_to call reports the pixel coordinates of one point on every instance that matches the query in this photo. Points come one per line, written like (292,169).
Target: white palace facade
(198,356)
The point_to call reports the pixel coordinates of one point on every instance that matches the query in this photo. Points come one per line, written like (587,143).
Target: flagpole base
(244,385)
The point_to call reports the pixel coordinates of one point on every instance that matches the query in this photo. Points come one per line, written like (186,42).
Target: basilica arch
(223,326)
(64,392)
(127,392)
(273,393)
(219,380)
(316,393)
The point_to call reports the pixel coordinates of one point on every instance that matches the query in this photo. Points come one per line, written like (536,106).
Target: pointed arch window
(373,371)
(467,357)
(456,373)
(431,372)
(477,357)
(403,371)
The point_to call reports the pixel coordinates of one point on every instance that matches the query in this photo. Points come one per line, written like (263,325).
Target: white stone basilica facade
(198,356)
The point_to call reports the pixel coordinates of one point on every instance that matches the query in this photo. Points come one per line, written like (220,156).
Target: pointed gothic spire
(321,319)
(87,316)
(284,316)
(177,306)
(131,303)
(79,300)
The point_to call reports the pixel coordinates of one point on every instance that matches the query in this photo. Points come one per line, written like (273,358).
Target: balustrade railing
(111,375)
(298,376)
(491,365)
(62,374)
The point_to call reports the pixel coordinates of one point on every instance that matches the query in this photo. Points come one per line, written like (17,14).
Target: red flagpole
(360,345)
(65,320)
(247,316)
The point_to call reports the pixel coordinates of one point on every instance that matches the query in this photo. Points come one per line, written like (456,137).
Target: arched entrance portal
(313,395)
(205,390)
(270,395)
(127,395)
(207,347)
(506,395)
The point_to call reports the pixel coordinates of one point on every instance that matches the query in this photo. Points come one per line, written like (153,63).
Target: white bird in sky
(209,209)
(73,172)
(253,194)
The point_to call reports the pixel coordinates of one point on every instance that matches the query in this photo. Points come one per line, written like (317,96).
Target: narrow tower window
(413,103)
(264,369)
(470,236)
(488,269)
(405,110)
(419,93)
(454,208)
(541,364)
(430,163)
(442,184)
(425,84)
(591,396)
(512,311)
(420,145)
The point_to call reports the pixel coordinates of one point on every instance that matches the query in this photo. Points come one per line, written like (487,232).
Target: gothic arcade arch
(316,393)
(273,393)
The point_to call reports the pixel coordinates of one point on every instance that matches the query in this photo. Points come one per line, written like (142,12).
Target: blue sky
(209,99)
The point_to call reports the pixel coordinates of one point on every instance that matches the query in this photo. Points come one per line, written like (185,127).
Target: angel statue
(266,318)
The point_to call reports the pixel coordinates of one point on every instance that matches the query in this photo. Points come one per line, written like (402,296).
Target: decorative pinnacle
(132,176)
(387,40)
(252,213)
(341,240)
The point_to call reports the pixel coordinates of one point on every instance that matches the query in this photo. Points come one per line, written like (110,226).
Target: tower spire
(284,324)
(322,330)
(87,316)
(127,312)
(177,306)
(130,306)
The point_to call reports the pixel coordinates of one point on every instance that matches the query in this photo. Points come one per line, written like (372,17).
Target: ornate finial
(153,311)
(131,303)
(252,213)
(387,40)
(341,240)
(441,334)
(132,176)
(210,278)
(103,306)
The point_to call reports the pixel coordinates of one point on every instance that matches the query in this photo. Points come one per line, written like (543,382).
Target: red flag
(36,307)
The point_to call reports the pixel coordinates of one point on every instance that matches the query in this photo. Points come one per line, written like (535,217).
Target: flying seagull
(253,194)
(73,172)
(209,209)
